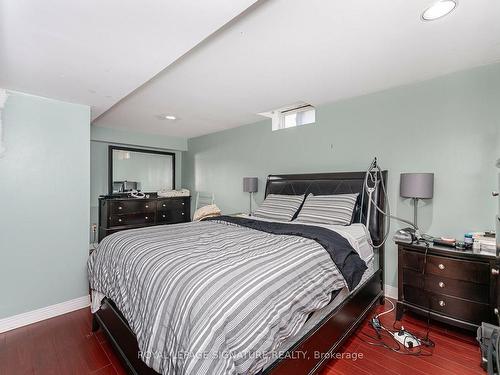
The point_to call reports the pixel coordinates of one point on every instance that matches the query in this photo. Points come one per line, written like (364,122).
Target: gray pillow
(328,209)
(279,207)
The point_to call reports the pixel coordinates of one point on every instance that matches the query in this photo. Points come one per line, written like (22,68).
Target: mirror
(148,171)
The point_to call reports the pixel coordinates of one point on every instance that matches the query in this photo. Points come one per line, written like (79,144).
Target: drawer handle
(441,284)
(183,203)
(147,206)
(164,216)
(442,303)
(164,205)
(441,266)
(183,213)
(119,220)
(147,218)
(495,272)
(119,207)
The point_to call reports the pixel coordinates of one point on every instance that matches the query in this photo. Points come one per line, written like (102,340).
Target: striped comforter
(212,297)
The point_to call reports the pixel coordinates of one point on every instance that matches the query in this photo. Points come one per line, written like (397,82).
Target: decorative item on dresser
(116,214)
(453,286)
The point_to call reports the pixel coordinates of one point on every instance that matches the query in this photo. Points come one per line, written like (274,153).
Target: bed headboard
(333,183)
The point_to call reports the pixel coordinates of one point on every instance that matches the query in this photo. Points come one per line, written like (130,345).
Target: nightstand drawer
(475,272)
(457,269)
(457,308)
(443,285)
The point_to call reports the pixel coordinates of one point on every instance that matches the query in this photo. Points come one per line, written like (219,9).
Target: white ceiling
(278,52)
(96,52)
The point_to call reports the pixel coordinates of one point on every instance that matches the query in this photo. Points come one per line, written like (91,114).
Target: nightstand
(452,286)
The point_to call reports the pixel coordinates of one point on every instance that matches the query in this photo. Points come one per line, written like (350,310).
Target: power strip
(406,338)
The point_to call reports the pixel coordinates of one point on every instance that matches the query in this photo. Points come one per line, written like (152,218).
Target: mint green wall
(101,138)
(44,185)
(449,126)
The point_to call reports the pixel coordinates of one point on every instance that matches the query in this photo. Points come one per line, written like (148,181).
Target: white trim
(30,317)
(390,291)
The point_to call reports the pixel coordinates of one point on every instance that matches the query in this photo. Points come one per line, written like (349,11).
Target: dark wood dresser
(116,214)
(452,286)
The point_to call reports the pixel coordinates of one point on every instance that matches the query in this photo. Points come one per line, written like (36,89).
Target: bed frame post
(95,323)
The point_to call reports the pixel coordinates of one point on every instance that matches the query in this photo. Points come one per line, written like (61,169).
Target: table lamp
(416,186)
(250,186)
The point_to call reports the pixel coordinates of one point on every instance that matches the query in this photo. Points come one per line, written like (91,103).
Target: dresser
(452,286)
(116,214)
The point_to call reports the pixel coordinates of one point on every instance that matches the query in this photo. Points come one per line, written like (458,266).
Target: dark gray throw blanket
(343,255)
(218,297)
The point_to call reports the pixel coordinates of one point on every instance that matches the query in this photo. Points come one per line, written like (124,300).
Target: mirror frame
(122,148)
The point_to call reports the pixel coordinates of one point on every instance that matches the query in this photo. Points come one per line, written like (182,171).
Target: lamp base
(250,210)
(415,208)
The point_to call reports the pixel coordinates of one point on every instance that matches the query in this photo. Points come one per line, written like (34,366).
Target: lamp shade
(416,185)
(250,184)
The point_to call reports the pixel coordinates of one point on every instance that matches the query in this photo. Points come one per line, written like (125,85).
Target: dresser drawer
(132,219)
(171,216)
(475,272)
(457,308)
(171,203)
(132,206)
(443,285)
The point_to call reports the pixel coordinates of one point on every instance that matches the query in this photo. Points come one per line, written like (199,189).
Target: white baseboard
(390,291)
(30,317)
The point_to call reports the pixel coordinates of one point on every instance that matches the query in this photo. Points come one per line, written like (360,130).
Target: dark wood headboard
(334,183)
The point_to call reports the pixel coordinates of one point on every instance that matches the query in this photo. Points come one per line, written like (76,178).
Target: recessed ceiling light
(439,9)
(167,117)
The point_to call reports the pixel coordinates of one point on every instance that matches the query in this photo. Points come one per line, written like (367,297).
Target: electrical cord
(398,348)
(371,175)
(372,178)
(388,311)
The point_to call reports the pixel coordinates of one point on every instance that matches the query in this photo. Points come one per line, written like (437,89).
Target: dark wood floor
(455,352)
(65,345)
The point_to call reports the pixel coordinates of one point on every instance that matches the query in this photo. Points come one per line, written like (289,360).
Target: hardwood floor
(455,352)
(65,345)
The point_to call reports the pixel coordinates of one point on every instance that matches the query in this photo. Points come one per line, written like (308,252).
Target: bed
(318,329)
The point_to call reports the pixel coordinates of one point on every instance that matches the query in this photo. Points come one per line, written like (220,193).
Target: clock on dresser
(452,286)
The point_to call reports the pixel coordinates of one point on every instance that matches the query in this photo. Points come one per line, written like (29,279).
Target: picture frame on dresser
(448,285)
